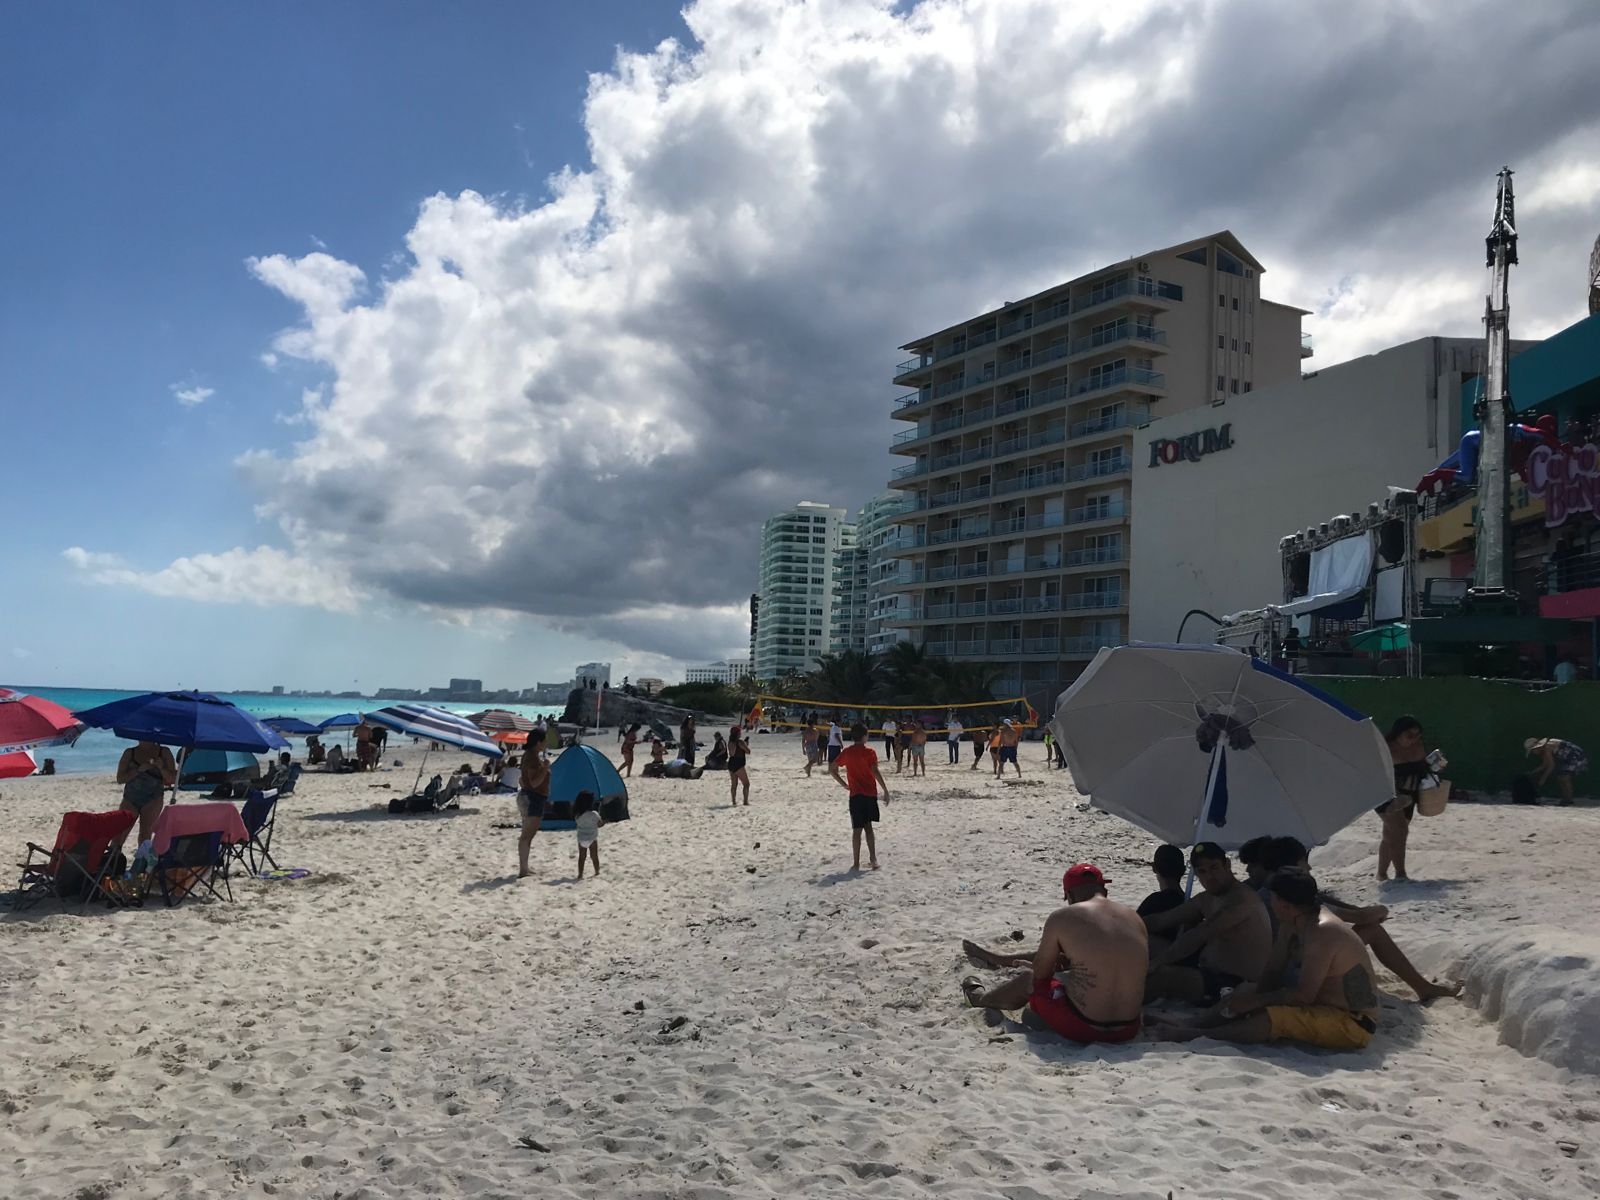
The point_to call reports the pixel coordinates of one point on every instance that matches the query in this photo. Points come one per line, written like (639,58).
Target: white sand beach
(729,1012)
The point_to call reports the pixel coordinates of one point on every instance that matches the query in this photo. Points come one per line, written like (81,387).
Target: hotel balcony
(1069,646)
(1306,350)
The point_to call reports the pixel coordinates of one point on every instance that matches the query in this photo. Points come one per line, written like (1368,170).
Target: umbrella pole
(1205,810)
(421,768)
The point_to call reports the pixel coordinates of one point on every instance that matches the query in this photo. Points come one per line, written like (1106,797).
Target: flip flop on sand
(972,987)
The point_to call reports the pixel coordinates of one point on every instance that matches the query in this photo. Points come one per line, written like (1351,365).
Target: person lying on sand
(1087,976)
(1290,854)
(1334,1004)
(1230,929)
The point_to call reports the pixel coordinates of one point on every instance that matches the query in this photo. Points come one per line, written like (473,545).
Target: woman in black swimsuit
(1410,758)
(738,750)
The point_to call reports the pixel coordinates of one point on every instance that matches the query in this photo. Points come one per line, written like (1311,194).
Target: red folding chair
(78,864)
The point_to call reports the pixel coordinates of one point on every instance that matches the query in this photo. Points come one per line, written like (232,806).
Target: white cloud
(582,409)
(265,576)
(20,653)
(191,394)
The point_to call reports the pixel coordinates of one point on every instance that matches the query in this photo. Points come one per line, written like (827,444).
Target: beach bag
(1432,796)
(1524,791)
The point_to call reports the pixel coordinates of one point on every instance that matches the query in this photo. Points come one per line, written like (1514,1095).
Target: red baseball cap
(1079,874)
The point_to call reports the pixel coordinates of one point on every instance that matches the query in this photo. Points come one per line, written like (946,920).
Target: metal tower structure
(1493,410)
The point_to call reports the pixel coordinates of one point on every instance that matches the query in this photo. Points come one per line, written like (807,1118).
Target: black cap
(1168,861)
(1207,850)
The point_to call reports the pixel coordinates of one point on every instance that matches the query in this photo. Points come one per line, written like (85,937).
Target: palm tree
(848,677)
(962,682)
(905,668)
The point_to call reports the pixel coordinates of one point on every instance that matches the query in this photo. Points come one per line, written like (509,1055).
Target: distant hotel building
(798,552)
(718,672)
(867,604)
(1015,545)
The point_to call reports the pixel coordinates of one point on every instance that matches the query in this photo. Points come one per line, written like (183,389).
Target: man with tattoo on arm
(1333,1005)
(1225,923)
(1087,976)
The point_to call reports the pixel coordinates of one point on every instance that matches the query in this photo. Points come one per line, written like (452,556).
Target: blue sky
(151,150)
(366,344)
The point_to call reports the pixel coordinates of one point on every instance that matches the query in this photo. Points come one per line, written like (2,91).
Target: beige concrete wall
(1205,534)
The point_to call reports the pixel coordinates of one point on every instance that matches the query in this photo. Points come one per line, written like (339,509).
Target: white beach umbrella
(1205,743)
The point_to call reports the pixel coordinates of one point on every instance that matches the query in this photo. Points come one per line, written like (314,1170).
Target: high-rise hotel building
(1023,424)
(799,549)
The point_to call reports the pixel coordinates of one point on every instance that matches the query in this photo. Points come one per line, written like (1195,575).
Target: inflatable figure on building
(1462,466)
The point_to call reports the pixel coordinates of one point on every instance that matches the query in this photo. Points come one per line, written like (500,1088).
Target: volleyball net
(938,720)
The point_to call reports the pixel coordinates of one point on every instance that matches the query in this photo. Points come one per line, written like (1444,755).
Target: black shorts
(1409,802)
(863,811)
(834,752)
(1215,981)
(1008,754)
(531,804)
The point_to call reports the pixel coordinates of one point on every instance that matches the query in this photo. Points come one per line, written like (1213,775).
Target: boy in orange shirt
(864,782)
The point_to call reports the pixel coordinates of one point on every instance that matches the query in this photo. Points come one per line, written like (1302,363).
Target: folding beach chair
(260,814)
(193,862)
(78,864)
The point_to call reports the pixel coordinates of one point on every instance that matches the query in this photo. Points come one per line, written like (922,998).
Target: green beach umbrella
(1381,638)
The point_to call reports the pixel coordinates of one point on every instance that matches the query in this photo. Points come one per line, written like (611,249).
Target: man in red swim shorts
(1087,981)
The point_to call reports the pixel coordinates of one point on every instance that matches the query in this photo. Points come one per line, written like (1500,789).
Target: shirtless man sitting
(1335,1003)
(1229,927)
(1088,973)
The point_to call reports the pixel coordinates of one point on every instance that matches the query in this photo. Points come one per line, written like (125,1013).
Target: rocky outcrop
(619,708)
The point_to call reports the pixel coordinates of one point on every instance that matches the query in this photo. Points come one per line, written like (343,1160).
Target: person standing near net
(980,740)
(952,733)
(835,741)
(889,730)
(865,783)
(808,744)
(918,750)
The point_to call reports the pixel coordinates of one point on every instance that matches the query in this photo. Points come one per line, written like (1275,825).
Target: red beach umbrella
(17,765)
(32,721)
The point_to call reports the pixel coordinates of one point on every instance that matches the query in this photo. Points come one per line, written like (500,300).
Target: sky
(363,345)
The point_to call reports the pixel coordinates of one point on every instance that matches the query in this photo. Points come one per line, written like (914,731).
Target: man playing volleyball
(865,784)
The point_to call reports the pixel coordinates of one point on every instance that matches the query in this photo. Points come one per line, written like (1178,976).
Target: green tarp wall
(1480,724)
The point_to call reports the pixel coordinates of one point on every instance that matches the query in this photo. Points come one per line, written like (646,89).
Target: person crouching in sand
(1335,1003)
(1087,978)
(865,784)
(586,820)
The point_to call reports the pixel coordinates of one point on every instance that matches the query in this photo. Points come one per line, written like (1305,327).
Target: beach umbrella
(220,765)
(291,726)
(581,768)
(342,721)
(509,737)
(492,720)
(184,719)
(1206,743)
(17,764)
(34,721)
(434,725)
(1382,638)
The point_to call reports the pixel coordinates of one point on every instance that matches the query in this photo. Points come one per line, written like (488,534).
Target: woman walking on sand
(1410,758)
(630,739)
(738,752)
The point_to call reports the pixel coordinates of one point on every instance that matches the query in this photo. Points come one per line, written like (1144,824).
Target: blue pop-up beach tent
(584,769)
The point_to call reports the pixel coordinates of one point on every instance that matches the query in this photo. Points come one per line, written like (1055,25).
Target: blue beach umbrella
(342,721)
(291,726)
(184,719)
(1204,743)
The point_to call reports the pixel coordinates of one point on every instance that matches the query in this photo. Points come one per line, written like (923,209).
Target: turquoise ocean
(98,750)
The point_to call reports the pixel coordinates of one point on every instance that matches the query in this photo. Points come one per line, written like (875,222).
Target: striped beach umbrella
(500,720)
(435,725)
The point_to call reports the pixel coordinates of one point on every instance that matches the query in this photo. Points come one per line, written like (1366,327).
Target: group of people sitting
(1270,957)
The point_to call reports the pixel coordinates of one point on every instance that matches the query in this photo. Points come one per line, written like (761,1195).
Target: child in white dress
(586,818)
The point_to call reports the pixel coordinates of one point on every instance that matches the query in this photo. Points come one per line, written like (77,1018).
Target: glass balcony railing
(1306,348)
(1124,377)
(1121,333)
(908,469)
(1099,470)
(1122,419)
(1093,600)
(1091,644)
(1100,554)
(1031,480)
(1097,512)
(909,435)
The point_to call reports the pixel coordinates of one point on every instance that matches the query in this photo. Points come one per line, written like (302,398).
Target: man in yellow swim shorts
(1334,1003)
